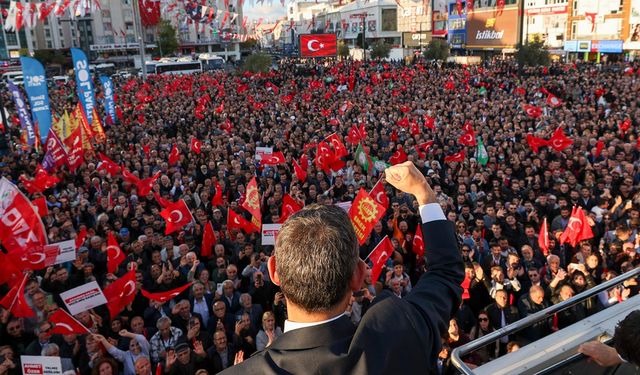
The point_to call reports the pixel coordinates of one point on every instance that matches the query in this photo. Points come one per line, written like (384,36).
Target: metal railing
(472,346)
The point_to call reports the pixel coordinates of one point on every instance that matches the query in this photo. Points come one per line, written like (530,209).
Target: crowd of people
(233,309)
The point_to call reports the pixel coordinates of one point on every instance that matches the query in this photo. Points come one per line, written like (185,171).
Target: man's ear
(271,266)
(358,276)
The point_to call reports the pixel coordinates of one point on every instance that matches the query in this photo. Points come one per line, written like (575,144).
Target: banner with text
(35,84)
(25,119)
(84,83)
(109,103)
(83,298)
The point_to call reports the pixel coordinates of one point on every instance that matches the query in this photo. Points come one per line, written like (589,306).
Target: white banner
(344,205)
(83,298)
(40,365)
(269,233)
(261,151)
(66,251)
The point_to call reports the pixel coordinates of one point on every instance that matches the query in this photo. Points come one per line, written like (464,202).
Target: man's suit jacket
(395,336)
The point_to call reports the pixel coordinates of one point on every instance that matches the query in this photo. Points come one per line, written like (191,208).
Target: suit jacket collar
(316,336)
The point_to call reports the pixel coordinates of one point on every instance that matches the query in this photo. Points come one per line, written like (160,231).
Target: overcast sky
(270,13)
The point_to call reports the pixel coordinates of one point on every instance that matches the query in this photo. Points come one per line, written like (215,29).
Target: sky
(270,12)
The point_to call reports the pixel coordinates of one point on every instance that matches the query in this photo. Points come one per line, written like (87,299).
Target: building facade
(547,21)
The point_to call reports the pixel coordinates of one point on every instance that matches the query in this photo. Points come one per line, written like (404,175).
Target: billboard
(488,29)
(633,39)
(414,16)
(440,14)
(318,45)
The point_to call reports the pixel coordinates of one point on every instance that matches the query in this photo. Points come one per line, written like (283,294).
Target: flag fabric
(149,12)
(559,141)
(398,157)
(26,124)
(176,216)
(120,293)
(553,101)
(208,241)
(301,175)
(318,45)
(109,100)
(165,296)
(115,256)
(41,206)
(164,203)
(577,229)
(468,138)
(339,149)
(532,111)
(379,256)
(324,156)
(84,83)
(21,227)
(35,85)
(15,302)
(417,245)
(481,153)
(144,186)
(289,207)
(196,145)
(216,200)
(599,148)
(41,181)
(236,221)
(56,154)
(379,194)
(364,213)
(457,157)
(107,164)
(174,155)
(535,142)
(81,236)
(543,238)
(65,324)
(430,122)
(363,159)
(274,158)
(252,203)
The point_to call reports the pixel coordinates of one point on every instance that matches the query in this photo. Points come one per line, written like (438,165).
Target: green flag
(481,153)
(482,90)
(380,165)
(362,158)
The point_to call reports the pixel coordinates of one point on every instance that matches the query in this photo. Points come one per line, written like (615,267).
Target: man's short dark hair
(627,338)
(316,254)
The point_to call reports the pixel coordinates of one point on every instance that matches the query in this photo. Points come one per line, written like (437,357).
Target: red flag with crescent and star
(208,241)
(559,141)
(65,324)
(379,257)
(120,293)
(543,238)
(236,221)
(176,216)
(15,302)
(418,242)
(379,195)
(166,296)
(289,207)
(196,145)
(115,256)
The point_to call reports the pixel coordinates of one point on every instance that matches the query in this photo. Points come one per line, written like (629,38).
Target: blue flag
(109,104)
(84,83)
(36,86)
(25,119)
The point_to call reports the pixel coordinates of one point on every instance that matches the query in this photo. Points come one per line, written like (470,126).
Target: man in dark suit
(316,264)
(501,314)
(221,355)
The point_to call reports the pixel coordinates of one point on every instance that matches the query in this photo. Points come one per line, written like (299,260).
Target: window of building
(49,45)
(457,38)
(456,24)
(574,28)
(106,14)
(47,33)
(389,20)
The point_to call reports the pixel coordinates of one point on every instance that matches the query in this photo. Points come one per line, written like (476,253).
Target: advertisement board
(318,45)
(414,16)
(633,39)
(487,29)
(415,39)
(440,14)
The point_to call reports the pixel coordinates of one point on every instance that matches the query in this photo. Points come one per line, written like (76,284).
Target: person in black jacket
(317,266)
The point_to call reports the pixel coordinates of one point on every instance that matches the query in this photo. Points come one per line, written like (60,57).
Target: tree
(533,53)
(343,49)
(51,56)
(167,39)
(380,50)
(257,63)
(438,49)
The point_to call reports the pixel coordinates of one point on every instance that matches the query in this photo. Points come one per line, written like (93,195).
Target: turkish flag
(21,228)
(65,324)
(107,164)
(301,175)
(379,257)
(164,203)
(398,157)
(625,126)
(41,206)
(379,194)
(144,186)
(41,181)
(176,216)
(15,302)
(208,241)
(543,238)
(559,141)
(468,139)
(417,245)
(275,158)
(364,213)
(120,293)
(11,273)
(324,156)
(147,150)
(532,111)
(535,143)
(166,296)
(36,257)
(274,88)
(149,12)
(115,256)
(339,148)
(430,122)
(457,157)
(318,45)
(217,197)
(520,91)
(404,122)
(304,162)
(425,146)
(572,230)
(252,202)
(196,145)
(81,237)
(289,207)
(236,221)
(174,155)
(599,148)
(414,129)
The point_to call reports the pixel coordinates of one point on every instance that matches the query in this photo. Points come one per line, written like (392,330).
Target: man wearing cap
(181,361)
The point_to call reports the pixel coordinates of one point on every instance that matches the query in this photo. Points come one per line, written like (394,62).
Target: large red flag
(196,145)
(176,216)
(208,241)
(354,135)
(418,242)
(457,157)
(532,111)
(217,196)
(65,324)
(289,207)
(166,296)
(115,256)
(559,141)
(535,143)
(398,157)
(11,273)
(301,175)
(429,122)
(273,158)
(543,238)
(338,147)
(379,194)
(324,156)
(364,213)
(21,228)
(164,203)
(252,203)
(41,206)
(144,186)
(120,293)
(107,164)
(81,237)
(577,229)
(15,302)
(585,232)
(379,257)
(174,155)
(236,221)
(41,181)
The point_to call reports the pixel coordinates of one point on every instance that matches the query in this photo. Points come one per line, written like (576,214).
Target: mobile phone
(219,288)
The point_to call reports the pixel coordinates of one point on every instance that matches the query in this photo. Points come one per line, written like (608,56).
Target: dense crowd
(232,308)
